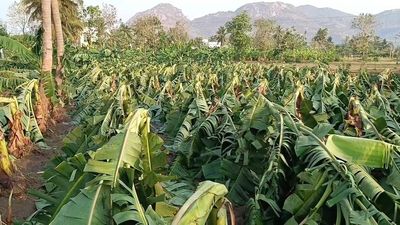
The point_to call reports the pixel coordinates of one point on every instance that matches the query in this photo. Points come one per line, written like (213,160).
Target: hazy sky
(196,8)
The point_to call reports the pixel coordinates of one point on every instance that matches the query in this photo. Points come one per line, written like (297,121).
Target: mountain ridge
(168,20)
(304,18)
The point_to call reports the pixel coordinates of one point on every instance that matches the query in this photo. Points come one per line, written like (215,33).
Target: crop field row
(353,66)
(218,142)
(268,114)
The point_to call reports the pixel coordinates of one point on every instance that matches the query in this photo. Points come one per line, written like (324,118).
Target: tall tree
(100,22)
(18,19)
(239,29)
(148,31)
(322,40)
(264,34)
(365,24)
(95,23)
(47,60)
(121,37)
(55,13)
(178,34)
(288,39)
(220,36)
(109,13)
(70,13)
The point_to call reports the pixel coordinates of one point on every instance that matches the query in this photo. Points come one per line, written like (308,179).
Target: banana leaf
(198,207)
(361,151)
(90,207)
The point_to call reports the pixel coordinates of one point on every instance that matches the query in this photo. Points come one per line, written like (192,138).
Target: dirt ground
(28,174)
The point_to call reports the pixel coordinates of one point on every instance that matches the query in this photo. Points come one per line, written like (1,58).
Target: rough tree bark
(47,59)
(55,12)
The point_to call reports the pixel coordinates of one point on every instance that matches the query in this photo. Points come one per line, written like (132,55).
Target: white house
(211,44)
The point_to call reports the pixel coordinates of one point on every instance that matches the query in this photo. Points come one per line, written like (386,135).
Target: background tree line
(261,39)
(266,37)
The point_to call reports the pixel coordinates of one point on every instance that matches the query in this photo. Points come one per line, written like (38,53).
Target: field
(231,118)
(160,139)
(355,66)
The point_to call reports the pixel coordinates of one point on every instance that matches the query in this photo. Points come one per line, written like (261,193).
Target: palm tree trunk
(55,12)
(47,60)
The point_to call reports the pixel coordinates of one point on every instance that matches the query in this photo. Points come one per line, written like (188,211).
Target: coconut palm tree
(47,58)
(221,35)
(72,25)
(55,13)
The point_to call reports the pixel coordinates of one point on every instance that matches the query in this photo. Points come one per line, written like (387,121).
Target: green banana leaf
(87,208)
(123,149)
(197,208)
(361,151)
(23,52)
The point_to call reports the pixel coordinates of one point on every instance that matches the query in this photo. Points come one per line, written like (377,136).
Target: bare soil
(29,174)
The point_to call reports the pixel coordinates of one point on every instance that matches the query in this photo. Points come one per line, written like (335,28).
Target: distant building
(88,36)
(211,44)
(83,41)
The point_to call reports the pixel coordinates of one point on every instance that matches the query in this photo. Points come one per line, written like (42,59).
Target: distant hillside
(388,24)
(208,25)
(168,14)
(305,19)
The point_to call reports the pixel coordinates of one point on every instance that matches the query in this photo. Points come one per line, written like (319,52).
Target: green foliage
(308,54)
(95,23)
(264,34)
(220,36)
(148,32)
(238,29)
(21,52)
(321,40)
(89,207)
(3,30)
(362,42)
(288,39)
(70,12)
(178,34)
(19,115)
(277,142)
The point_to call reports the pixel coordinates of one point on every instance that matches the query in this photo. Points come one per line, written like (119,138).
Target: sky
(196,8)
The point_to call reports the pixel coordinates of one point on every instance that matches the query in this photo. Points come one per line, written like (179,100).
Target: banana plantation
(180,138)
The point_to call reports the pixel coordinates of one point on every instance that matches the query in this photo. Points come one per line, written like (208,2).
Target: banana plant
(286,145)
(109,194)
(206,204)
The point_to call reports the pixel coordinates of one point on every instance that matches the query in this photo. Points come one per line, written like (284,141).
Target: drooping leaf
(90,207)
(361,151)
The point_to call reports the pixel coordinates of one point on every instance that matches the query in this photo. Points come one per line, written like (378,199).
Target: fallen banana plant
(20,129)
(362,151)
(5,162)
(115,169)
(208,203)
(236,128)
(9,109)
